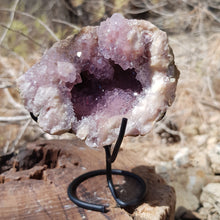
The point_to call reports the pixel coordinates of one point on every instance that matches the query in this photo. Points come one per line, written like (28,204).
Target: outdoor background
(185,146)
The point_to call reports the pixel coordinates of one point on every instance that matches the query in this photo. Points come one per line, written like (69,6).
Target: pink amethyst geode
(87,83)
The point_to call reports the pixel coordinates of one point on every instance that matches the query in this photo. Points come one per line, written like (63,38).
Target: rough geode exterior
(86,83)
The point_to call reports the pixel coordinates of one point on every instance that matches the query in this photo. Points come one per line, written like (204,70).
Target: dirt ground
(184,147)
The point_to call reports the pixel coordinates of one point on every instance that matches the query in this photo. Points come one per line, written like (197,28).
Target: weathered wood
(40,192)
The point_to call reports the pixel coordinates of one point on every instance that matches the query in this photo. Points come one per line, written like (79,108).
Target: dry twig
(10,21)
(162,126)
(24,35)
(216,107)
(66,23)
(14,119)
(12,101)
(20,58)
(20,134)
(34,18)
(146,8)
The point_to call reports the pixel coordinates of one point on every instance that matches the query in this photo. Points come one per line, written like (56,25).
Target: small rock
(190,130)
(210,197)
(185,214)
(203,212)
(212,141)
(214,156)
(213,216)
(209,214)
(185,198)
(201,160)
(164,168)
(217,148)
(201,139)
(196,179)
(182,157)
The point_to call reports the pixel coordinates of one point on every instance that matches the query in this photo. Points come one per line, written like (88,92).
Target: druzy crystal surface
(87,83)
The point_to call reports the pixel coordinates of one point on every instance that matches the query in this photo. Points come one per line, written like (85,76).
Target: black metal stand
(110,158)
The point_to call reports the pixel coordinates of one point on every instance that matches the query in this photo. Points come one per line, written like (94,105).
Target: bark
(36,186)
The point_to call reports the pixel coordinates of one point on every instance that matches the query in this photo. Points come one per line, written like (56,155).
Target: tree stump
(36,186)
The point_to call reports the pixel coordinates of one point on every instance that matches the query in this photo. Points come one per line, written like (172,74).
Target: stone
(182,157)
(164,169)
(210,200)
(210,197)
(87,83)
(186,214)
(214,157)
(185,198)
(39,191)
(196,179)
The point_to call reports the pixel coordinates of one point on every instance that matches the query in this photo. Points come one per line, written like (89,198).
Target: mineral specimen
(87,83)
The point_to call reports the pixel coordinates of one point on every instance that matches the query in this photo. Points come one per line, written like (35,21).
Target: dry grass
(196,47)
(193,28)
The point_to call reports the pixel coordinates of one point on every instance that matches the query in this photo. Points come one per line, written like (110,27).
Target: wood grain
(39,190)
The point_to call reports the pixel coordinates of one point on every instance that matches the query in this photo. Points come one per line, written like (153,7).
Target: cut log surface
(36,186)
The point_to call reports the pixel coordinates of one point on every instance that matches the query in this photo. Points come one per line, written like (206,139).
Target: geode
(87,83)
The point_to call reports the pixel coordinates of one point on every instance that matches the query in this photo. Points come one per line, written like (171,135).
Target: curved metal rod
(110,158)
(72,192)
(104,208)
(35,118)
(119,140)
(109,173)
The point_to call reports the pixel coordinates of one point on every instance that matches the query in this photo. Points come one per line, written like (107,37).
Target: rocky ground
(184,147)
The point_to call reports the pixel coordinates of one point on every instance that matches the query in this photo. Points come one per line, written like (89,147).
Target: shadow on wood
(38,190)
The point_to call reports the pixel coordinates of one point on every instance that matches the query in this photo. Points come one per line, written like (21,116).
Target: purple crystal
(87,83)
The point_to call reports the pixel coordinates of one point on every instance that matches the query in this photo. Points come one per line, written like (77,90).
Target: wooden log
(36,186)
